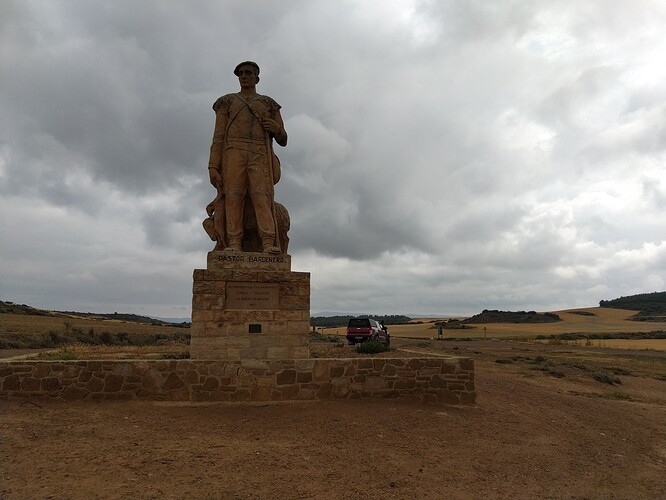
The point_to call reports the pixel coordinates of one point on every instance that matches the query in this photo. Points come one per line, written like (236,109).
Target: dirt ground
(540,429)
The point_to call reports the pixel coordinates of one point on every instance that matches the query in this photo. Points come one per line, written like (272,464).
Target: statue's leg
(234,179)
(261,194)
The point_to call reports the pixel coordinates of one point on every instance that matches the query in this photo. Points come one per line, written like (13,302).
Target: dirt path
(529,436)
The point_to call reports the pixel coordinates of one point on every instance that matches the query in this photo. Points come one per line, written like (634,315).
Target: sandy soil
(531,435)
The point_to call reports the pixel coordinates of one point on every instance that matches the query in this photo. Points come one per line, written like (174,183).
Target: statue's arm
(217,147)
(281,134)
(273,123)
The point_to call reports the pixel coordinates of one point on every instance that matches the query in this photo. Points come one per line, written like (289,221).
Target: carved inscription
(248,295)
(226,257)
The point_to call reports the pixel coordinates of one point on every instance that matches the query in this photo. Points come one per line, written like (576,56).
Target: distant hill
(651,306)
(12,308)
(494,316)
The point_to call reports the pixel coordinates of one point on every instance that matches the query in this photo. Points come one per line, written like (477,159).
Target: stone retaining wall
(443,380)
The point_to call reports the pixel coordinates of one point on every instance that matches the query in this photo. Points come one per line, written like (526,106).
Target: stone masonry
(249,306)
(436,380)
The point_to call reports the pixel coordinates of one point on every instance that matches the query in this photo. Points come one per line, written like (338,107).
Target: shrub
(372,347)
(106,338)
(176,355)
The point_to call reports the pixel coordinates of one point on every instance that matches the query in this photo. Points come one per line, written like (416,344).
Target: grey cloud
(460,154)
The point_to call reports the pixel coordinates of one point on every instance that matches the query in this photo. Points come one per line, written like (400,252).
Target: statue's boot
(234,246)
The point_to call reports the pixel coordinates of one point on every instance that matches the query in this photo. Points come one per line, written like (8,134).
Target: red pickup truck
(366,329)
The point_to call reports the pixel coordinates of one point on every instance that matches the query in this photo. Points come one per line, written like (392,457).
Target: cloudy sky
(444,156)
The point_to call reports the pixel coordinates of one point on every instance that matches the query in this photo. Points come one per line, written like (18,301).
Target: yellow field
(605,320)
(641,344)
(25,324)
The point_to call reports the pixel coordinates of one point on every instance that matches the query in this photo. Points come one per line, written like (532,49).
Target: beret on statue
(244,63)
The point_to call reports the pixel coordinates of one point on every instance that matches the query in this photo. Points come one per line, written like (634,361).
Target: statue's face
(247,76)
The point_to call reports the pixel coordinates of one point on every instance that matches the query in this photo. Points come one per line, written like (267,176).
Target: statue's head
(246,66)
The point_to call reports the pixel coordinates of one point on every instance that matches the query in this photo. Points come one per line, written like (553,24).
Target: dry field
(605,320)
(551,421)
(34,325)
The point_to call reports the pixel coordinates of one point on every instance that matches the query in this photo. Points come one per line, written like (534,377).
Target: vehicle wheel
(350,342)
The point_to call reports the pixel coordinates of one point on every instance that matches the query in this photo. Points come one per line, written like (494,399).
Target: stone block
(207,301)
(73,392)
(307,394)
(95,384)
(374,384)
(294,302)
(291,315)
(113,382)
(250,276)
(277,352)
(218,275)
(204,316)
(290,392)
(447,368)
(211,384)
(286,377)
(172,382)
(50,384)
(298,327)
(41,370)
(295,288)
(261,393)
(304,365)
(277,328)
(208,288)
(254,365)
(254,352)
(30,384)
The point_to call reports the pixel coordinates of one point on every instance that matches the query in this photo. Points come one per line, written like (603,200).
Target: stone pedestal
(250,306)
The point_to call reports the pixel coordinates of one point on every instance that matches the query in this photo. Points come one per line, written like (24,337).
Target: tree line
(337,321)
(646,303)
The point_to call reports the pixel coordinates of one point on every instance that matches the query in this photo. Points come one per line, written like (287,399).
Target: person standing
(242,165)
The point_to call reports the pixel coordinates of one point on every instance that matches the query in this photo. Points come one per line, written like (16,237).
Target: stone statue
(244,169)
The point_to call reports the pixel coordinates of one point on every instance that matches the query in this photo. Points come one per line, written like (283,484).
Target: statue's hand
(215,177)
(270,125)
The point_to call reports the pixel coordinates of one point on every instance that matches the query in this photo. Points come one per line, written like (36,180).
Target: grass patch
(617,395)
(605,378)
(64,354)
(504,361)
(619,371)
(319,337)
(579,366)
